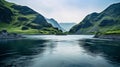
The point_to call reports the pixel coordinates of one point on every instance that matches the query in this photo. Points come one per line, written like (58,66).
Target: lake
(59,51)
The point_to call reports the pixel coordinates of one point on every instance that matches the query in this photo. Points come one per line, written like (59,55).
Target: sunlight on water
(61,37)
(60,51)
(68,53)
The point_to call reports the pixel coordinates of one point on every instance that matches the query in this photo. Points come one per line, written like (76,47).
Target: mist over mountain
(67,26)
(54,23)
(22,19)
(108,21)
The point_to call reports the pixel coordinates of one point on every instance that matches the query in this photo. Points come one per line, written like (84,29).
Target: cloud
(66,10)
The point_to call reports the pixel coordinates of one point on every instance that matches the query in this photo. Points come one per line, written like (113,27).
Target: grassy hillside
(54,23)
(22,19)
(106,22)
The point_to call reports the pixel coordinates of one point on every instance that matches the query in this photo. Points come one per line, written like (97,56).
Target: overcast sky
(66,10)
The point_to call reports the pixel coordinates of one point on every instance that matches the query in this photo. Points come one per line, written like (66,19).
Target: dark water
(59,51)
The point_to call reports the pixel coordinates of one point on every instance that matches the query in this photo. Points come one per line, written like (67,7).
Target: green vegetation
(113,32)
(106,22)
(22,19)
(34,31)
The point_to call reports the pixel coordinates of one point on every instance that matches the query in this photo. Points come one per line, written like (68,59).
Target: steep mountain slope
(54,24)
(67,26)
(107,21)
(22,19)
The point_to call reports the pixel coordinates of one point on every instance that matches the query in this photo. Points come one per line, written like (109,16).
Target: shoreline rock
(5,35)
(110,36)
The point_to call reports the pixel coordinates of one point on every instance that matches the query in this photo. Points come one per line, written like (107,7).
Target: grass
(15,25)
(44,31)
(113,32)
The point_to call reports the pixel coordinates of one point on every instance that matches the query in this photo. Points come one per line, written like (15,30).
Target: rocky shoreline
(110,36)
(5,35)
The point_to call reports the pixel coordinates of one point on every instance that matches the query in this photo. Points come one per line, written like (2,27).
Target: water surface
(59,51)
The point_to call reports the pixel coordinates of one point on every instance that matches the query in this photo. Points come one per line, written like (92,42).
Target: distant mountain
(22,19)
(107,21)
(54,23)
(67,26)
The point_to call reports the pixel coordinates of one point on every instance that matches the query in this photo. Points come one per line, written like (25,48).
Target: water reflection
(59,51)
(19,50)
(109,49)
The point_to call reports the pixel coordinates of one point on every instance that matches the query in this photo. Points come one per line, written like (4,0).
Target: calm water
(59,51)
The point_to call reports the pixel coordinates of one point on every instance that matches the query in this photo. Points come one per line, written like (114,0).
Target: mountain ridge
(22,19)
(67,25)
(54,23)
(104,22)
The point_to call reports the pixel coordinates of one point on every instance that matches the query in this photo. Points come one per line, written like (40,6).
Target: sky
(66,10)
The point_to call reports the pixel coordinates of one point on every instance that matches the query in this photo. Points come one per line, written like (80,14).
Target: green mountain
(22,19)
(107,22)
(54,23)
